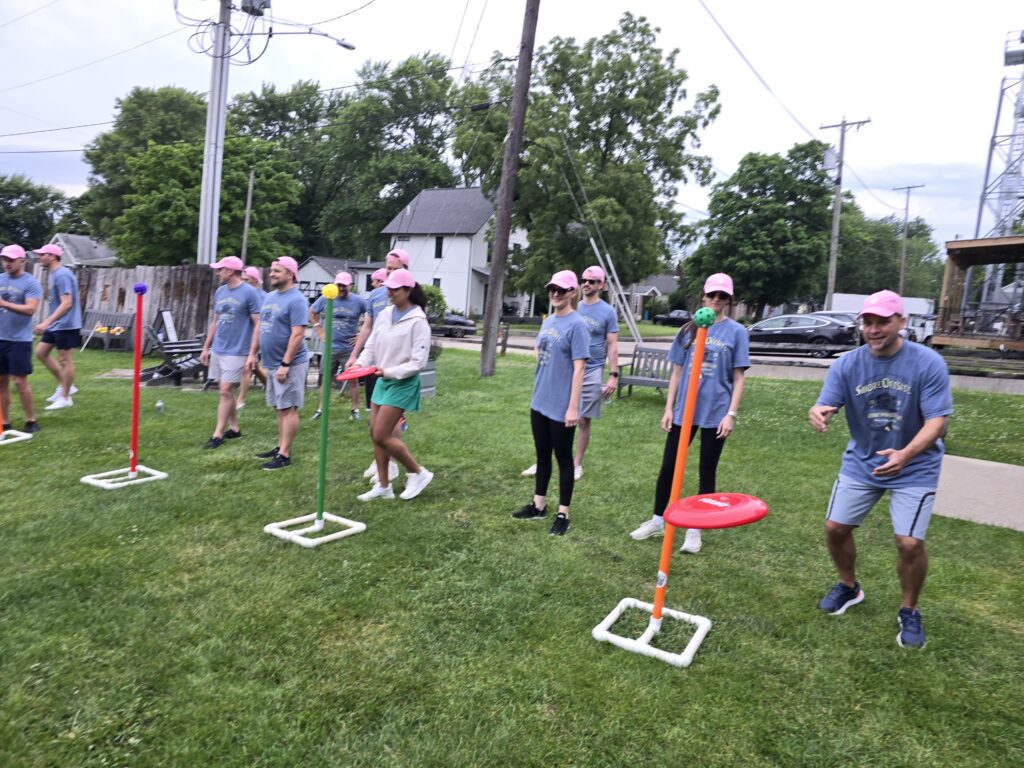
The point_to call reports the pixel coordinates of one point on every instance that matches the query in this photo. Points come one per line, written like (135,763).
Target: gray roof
(337,265)
(663,284)
(462,211)
(82,250)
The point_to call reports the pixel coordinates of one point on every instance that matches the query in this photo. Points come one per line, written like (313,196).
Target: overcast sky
(927,74)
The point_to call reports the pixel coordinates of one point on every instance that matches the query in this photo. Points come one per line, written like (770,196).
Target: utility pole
(906,219)
(837,205)
(213,150)
(507,189)
(248,214)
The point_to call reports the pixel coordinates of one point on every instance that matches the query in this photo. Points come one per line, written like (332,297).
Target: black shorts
(15,358)
(70,338)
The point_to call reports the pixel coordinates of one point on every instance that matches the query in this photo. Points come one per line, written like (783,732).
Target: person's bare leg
(67,370)
(43,355)
(582,440)
(384,426)
(287,428)
(912,567)
(25,393)
(227,415)
(843,550)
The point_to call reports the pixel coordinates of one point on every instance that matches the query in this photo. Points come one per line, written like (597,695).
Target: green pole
(325,401)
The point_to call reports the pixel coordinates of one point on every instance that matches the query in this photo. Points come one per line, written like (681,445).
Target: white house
(447,235)
(318,271)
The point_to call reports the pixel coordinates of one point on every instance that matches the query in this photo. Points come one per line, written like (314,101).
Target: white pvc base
(642,644)
(13,436)
(118,478)
(349,528)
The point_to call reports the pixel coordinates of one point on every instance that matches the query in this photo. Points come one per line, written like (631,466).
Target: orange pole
(677,477)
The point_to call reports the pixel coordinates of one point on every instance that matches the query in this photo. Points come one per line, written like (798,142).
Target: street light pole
(837,206)
(903,244)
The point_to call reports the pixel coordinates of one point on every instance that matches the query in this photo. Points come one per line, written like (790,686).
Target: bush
(436,305)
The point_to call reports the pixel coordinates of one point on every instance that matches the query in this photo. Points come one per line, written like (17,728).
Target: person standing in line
(377,278)
(398,347)
(604,344)
(280,335)
(722,376)
(897,401)
(349,309)
(561,348)
(254,277)
(61,328)
(20,294)
(376,301)
(236,311)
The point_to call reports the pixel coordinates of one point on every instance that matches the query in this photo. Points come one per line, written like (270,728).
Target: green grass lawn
(158,625)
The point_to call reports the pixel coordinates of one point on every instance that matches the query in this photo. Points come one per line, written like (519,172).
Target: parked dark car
(777,333)
(846,317)
(456,326)
(677,317)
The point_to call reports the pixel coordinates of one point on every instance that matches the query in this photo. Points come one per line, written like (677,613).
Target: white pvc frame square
(10,436)
(280,530)
(119,478)
(642,645)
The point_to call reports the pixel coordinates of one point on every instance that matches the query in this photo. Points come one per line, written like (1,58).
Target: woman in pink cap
(726,359)
(398,347)
(562,349)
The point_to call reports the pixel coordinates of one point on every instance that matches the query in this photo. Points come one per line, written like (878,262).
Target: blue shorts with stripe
(910,508)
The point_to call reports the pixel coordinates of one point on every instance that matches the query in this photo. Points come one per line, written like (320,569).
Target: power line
(347,13)
(52,130)
(19,18)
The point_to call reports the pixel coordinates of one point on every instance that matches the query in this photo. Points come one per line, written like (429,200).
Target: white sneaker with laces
(651,528)
(60,402)
(577,472)
(414,484)
(691,544)
(530,471)
(57,393)
(377,493)
(371,471)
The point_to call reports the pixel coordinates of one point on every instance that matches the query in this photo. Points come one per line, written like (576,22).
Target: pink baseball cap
(400,278)
(13,252)
(50,248)
(380,274)
(229,262)
(883,304)
(290,264)
(564,279)
(343,278)
(593,273)
(718,282)
(253,273)
(401,255)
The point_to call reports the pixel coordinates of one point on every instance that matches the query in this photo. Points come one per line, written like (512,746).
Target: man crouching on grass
(280,335)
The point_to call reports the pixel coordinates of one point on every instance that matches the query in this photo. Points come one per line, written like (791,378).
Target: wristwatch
(614,373)
(731,413)
(284,364)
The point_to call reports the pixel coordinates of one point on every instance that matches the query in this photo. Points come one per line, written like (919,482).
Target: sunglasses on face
(718,295)
(589,281)
(559,291)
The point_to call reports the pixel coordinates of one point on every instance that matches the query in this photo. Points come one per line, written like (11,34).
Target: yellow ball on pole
(330,291)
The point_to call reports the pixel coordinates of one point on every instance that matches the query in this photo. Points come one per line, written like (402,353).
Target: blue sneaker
(911,633)
(841,597)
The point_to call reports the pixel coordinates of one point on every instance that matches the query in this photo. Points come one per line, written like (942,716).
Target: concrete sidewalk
(981,491)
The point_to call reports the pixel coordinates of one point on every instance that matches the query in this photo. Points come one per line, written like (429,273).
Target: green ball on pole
(704,317)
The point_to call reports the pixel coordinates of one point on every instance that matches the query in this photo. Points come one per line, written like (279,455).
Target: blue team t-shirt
(281,311)
(727,348)
(887,401)
(601,320)
(347,314)
(13,325)
(376,300)
(62,283)
(560,341)
(233,309)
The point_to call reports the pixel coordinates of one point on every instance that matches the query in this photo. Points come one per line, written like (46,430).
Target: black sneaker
(266,454)
(530,512)
(214,442)
(232,434)
(278,462)
(911,634)
(6,426)
(560,525)
(31,426)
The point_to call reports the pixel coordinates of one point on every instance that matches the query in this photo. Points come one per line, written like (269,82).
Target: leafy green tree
(608,118)
(28,211)
(160,224)
(162,115)
(768,226)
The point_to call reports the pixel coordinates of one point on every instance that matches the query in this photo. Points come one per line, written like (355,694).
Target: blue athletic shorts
(67,339)
(909,508)
(15,358)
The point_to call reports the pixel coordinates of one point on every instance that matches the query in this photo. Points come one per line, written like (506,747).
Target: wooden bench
(180,359)
(114,329)
(649,368)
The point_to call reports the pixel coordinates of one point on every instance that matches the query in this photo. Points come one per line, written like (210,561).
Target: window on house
(438,247)
(437,282)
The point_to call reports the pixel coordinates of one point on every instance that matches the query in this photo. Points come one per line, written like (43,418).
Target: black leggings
(550,435)
(710,452)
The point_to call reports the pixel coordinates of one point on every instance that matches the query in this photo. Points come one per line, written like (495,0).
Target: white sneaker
(377,493)
(414,484)
(650,528)
(58,393)
(60,402)
(577,472)
(691,543)
(371,471)
(530,471)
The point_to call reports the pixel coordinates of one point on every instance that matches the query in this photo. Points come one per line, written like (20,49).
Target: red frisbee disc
(355,373)
(715,510)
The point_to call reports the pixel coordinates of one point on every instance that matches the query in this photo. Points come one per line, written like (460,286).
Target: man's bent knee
(908,546)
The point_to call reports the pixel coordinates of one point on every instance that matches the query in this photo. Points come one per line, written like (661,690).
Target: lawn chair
(180,357)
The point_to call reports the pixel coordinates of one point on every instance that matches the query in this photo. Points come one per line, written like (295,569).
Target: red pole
(133,452)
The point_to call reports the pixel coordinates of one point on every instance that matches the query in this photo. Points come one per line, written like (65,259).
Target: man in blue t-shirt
(254,277)
(280,337)
(20,294)
(236,311)
(61,328)
(348,310)
(897,400)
